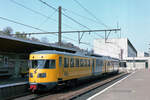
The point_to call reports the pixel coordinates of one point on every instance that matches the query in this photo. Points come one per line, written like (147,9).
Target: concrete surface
(135,87)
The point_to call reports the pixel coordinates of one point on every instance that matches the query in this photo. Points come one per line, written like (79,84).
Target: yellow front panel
(51,76)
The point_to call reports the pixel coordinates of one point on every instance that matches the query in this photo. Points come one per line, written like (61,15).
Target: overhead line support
(89,31)
(59,26)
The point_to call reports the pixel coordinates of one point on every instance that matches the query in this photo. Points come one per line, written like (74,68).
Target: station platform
(12,80)
(135,86)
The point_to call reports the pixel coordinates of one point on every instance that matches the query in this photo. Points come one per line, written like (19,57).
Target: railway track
(68,93)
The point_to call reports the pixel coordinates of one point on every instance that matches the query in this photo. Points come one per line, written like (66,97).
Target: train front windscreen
(42,64)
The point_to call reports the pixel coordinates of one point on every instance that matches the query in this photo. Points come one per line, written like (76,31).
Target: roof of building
(131,45)
(12,44)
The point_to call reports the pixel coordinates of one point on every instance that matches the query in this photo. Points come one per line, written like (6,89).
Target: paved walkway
(135,87)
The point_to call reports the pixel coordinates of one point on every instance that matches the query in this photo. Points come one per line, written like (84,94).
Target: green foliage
(7,31)
(19,35)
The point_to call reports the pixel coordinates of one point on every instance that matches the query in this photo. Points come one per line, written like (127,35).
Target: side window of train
(60,61)
(66,62)
(89,63)
(93,63)
(77,62)
(101,63)
(113,64)
(84,63)
(72,62)
(81,63)
(96,62)
(108,64)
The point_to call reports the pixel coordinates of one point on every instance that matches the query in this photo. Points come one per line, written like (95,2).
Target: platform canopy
(16,45)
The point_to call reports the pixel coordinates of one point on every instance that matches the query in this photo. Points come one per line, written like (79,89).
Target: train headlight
(41,75)
(31,75)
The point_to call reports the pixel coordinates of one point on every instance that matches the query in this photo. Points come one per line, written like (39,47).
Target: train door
(61,68)
(93,66)
(105,66)
(66,67)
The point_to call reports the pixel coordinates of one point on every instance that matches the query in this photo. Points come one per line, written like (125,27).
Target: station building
(122,49)
(14,54)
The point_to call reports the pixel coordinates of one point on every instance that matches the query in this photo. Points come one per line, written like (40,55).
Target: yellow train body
(59,72)
(63,67)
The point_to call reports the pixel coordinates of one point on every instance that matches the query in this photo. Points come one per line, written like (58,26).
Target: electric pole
(59,26)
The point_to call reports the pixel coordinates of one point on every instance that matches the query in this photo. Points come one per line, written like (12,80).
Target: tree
(18,35)
(7,31)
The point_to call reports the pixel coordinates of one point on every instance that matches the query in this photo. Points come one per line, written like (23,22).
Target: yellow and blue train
(51,68)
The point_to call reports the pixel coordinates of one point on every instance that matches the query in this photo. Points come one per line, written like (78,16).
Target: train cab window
(46,64)
(66,62)
(41,64)
(37,63)
(72,62)
(77,62)
(52,64)
(60,61)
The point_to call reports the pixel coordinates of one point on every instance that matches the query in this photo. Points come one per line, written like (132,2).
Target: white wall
(135,65)
(142,54)
(113,47)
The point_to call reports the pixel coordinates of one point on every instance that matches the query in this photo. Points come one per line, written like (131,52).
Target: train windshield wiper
(40,64)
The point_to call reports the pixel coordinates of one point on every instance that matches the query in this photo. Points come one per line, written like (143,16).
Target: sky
(132,16)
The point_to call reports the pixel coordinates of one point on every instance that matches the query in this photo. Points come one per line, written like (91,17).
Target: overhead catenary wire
(90,13)
(64,14)
(39,13)
(85,17)
(47,18)
(29,25)
(36,28)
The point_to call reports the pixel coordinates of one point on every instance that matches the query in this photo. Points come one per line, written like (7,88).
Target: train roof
(72,54)
(57,52)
